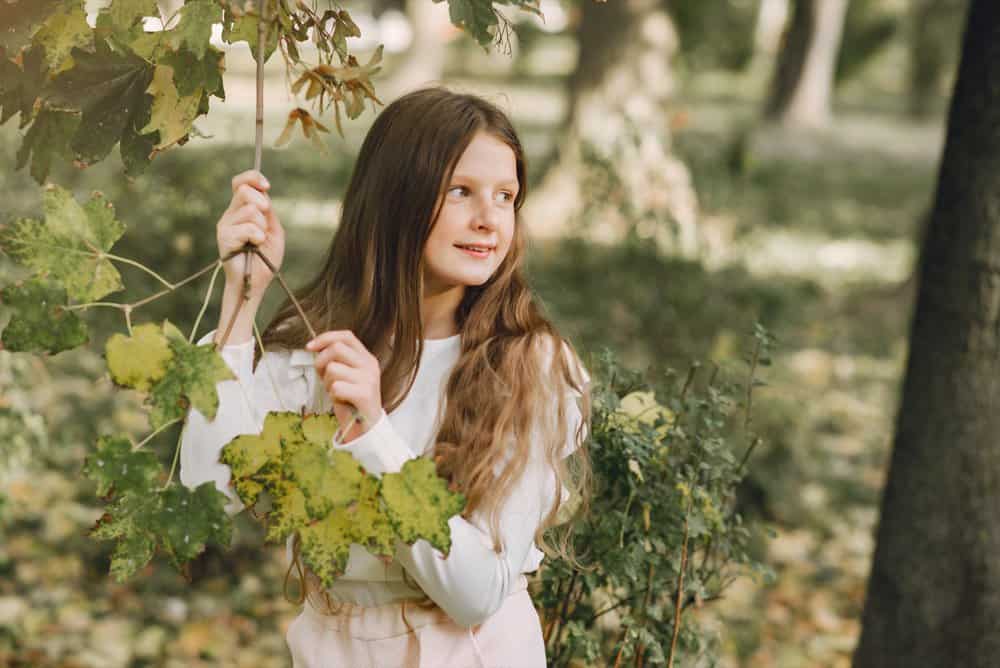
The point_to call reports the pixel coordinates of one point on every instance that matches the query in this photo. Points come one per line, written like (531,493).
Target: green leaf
(117,469)
(186,520)
(476,17)
(40,324)
(171,115)
(195,27)
(21,84)
(128,521)
(140,360)
(21,19)
(48,137)
(180,520)
(192,74)
(190,380)
(123,18)
(68,248)
(64,30)
(109,88)
(419,503)
(244,29)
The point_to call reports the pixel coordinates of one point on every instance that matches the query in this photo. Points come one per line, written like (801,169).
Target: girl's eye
(510,196)
(462,188)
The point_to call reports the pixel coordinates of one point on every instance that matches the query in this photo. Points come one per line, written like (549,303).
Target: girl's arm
(472,582)
(243,405)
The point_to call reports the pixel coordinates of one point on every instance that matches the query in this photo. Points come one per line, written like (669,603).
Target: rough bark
(618,108)
(802,86)
(934,591)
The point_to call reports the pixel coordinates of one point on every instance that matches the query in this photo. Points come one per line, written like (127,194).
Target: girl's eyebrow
(464,177)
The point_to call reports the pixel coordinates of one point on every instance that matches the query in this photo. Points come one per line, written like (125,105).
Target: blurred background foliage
(750,206)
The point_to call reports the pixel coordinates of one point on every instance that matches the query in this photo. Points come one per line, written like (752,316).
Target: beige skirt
(377,637)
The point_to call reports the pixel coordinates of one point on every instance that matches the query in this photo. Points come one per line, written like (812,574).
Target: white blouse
(472,582)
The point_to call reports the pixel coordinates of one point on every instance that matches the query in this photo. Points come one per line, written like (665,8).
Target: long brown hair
(506,396)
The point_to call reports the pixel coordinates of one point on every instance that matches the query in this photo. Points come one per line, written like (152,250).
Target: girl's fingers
(246,194)
(246,214)
(249,232)
(346,336)
(338,352)
(338,371)
(250,177)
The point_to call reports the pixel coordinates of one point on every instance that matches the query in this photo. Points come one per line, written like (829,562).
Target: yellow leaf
(171,114)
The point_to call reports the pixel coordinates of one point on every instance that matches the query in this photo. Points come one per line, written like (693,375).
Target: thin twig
(288,291)
(680,588)
(204,303)
(138,265)
(753,371)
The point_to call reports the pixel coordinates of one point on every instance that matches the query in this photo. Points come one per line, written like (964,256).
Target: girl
(431,333)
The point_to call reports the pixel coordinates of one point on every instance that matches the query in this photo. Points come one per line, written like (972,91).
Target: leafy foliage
(177,520)
(329,499)
(663,513)
(176,374)
(40,323)
(69,247)
(118,469)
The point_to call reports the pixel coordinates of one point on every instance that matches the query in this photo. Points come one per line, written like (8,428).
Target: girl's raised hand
(352,378)
(250,217)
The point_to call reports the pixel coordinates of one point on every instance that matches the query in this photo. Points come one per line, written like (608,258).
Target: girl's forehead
(487,158)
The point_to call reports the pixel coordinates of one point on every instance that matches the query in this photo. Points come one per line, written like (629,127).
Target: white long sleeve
(472,582)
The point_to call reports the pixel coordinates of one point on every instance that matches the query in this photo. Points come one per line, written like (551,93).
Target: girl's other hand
(250,218)
(352,377)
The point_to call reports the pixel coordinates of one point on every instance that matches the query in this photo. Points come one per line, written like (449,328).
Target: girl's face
(477,209)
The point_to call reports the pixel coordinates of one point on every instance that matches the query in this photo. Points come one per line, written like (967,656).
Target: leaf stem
(146,440)
(177,453)
(204,303)
(138,265)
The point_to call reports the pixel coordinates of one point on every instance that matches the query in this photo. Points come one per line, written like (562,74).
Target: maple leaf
(244,29)
(123,18)
(118,469)
(40,323)
(195,27)
(255,459)
(68,248)
(171,115)
(20,84)
(186,520)
(140,360)
(190,380)
(419,503)
(21,19)
(108,88)
(48,138)
(64,30)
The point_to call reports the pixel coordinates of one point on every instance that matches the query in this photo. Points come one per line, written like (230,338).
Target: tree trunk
(617,115)
(802,86)
(934,590)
